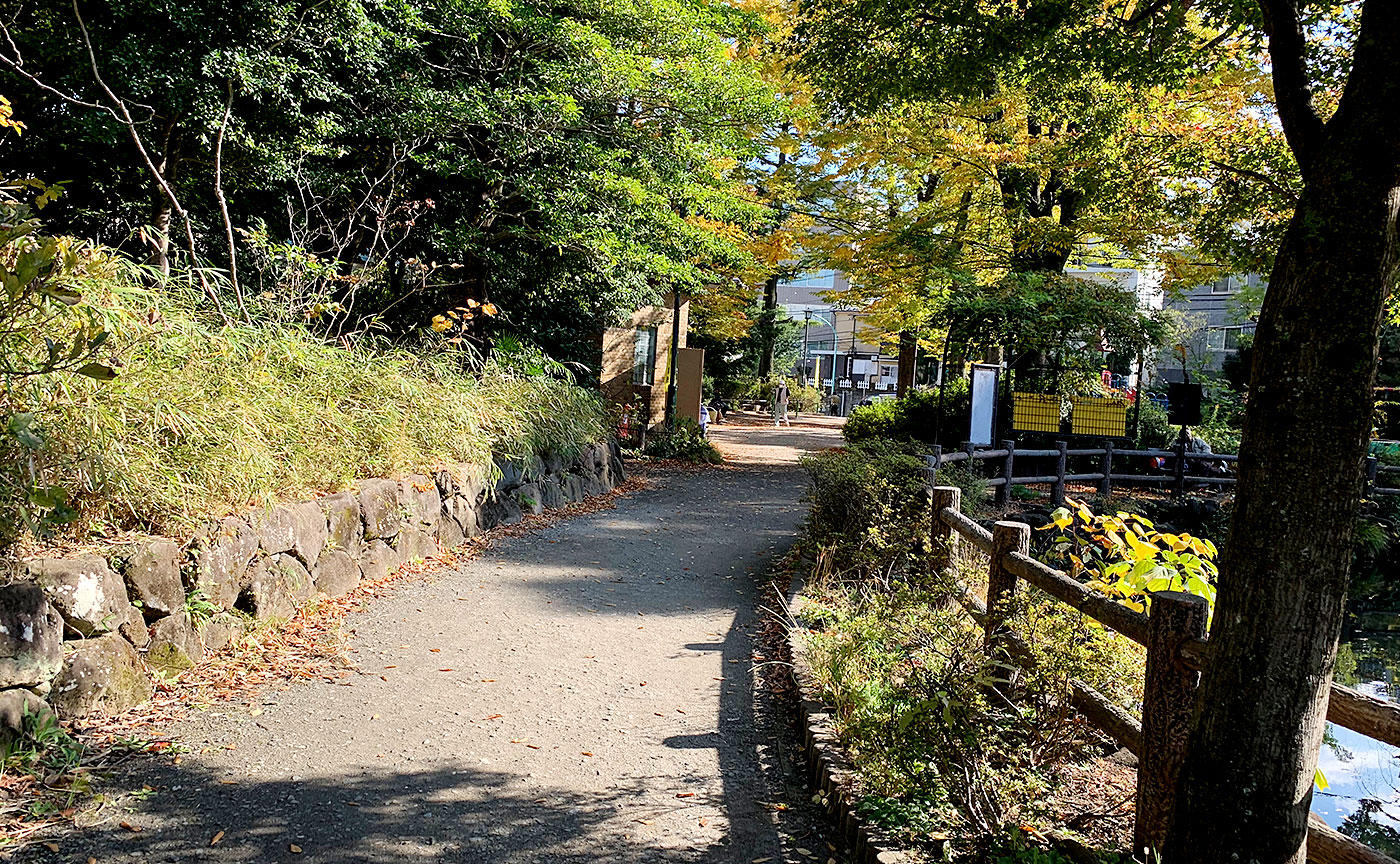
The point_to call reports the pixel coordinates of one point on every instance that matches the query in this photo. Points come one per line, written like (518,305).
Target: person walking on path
(780,404)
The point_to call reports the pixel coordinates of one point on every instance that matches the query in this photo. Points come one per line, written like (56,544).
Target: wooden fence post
(1007,537)
(1008,465)
(1372,469)
(1057,491)
(937,461)
(1106,484)
(943,540)
(1168,695)
(1179,487)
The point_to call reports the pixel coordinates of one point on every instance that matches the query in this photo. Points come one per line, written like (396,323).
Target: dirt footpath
(582,693)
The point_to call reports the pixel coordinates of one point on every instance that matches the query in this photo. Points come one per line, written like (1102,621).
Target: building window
(822,280)
(644,356)
(1224,338)
(1228,285)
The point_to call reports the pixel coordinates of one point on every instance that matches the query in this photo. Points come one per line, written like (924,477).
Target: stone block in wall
(379,507)
(134,629)
(573,488)
(222,554)
(511,475)
(219,631)
(85,591)
(616,473)
(267,595)
(530,498)
(552,494)
(415,544)
(420,502)
(15,706)
(449,532)
(309,531)
(294,577)
(100,676)
(276,527)
(336,573)
(473,483)
(345,528)
(379,560)
(31,637)
(551,462)
(175,645)
(446,484)
(500,510)
(153,577)
(465,512)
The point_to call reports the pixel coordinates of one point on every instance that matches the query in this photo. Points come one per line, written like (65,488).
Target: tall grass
(206,419)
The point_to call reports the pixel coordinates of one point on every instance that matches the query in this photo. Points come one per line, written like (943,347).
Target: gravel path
(580,693)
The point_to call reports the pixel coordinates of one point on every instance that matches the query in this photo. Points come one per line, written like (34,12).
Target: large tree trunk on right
(1247,786)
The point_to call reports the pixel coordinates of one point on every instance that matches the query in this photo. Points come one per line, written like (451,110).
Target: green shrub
(915,418)
(686,442)
(868,506)
(206,419)
(935,753)
(1154,431)
(807,400)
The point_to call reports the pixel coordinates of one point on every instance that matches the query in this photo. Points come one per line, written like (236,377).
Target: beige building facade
(636,367)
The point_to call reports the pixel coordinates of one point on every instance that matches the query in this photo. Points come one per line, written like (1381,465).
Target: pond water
(1363,775)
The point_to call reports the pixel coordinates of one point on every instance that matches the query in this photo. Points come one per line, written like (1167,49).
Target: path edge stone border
(829,768)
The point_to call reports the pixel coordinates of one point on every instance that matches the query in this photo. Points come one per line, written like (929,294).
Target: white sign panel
(984,402)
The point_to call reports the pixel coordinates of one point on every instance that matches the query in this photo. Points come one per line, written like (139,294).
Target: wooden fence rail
(1174,633)
(1106,477)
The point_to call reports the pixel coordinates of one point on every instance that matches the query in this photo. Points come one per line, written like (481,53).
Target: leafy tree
(1335,81)
(567,162)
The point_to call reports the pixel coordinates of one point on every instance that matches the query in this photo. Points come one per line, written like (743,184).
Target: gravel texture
(580,693)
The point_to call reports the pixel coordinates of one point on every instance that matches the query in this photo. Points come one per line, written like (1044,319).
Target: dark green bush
(868,506)
(915,418)
(686,443)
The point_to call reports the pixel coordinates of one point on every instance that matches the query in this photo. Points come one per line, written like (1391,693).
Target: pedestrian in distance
(780,404)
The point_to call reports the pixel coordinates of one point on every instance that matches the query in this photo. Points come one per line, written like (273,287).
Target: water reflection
(1363,775)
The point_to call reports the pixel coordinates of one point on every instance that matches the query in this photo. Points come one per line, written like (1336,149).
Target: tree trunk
(908,352)
(1247,785)
(769,323)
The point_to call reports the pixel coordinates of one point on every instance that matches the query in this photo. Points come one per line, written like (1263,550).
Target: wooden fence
(1174,633)
(1105,477)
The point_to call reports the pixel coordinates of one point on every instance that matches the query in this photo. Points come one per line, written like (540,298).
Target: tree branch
(1292,89)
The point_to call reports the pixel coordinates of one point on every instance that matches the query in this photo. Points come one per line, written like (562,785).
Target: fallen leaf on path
(685,794)
(445,670)
(518,740)
(492,717)
(132,828)
(487,680)
(435,650)
(294,848)
(216,839)
(533,746)
(647,821)
(229,782)
(587,753)
(52,847)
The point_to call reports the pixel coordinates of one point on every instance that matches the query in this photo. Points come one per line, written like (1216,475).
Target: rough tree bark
(1247,784)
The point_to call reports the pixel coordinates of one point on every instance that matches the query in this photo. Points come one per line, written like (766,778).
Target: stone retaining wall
(89,635)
